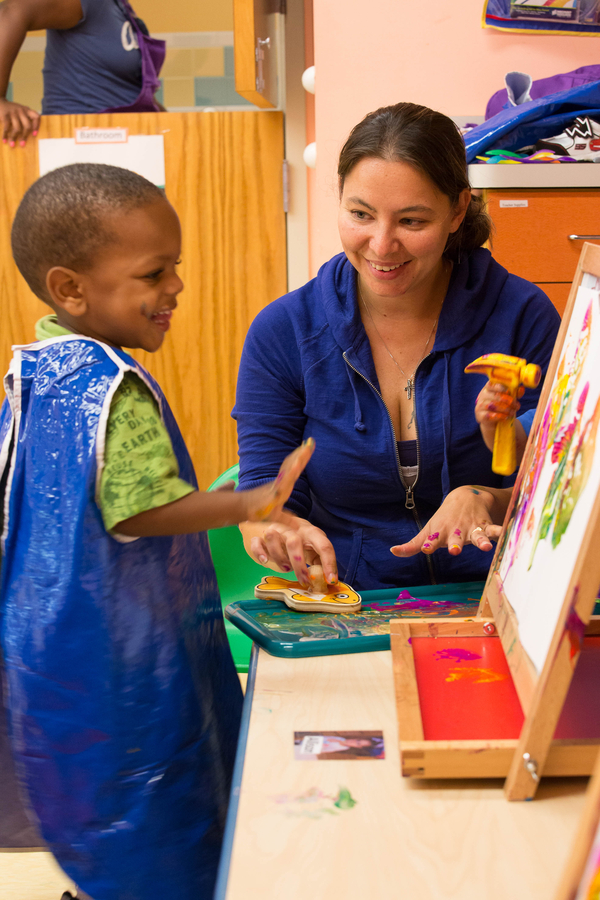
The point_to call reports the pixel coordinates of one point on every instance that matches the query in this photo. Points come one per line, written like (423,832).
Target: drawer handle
(584,237)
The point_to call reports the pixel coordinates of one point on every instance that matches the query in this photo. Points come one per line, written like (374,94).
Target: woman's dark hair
(430,142)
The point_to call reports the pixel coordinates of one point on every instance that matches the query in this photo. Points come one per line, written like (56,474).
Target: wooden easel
(541,690)
(581,877)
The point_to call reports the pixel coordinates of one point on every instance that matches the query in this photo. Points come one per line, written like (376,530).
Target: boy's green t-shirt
(140,468)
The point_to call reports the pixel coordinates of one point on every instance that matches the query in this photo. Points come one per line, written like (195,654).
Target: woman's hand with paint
(469,515)
(494,404)
(293,545)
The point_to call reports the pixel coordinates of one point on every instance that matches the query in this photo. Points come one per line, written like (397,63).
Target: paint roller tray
(284,632)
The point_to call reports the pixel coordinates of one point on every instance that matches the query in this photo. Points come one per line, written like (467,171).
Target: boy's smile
(128,295)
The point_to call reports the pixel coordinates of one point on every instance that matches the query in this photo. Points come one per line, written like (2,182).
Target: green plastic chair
(237,574)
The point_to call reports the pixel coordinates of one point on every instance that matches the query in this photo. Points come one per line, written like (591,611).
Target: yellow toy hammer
(512,372)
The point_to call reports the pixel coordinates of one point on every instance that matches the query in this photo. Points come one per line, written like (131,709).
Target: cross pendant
(409,387)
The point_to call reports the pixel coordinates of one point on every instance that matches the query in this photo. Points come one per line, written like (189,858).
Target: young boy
(124,702)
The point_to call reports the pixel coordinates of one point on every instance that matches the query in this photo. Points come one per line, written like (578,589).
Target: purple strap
(153,56)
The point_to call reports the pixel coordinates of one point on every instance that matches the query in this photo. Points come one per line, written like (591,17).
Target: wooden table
(415,840)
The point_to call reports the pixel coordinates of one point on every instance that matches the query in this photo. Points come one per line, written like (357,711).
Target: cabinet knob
(584,237)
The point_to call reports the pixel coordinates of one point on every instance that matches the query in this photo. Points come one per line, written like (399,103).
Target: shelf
(541,175)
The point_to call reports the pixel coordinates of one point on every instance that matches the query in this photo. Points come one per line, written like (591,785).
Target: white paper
(142,153)
(536,570)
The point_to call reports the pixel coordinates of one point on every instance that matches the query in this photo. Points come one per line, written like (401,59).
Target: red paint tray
(458,711)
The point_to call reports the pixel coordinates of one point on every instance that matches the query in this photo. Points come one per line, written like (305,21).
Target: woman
(369,359)
(99,58)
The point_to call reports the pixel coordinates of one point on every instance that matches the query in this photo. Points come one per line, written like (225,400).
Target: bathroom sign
(101,135)
(142,153)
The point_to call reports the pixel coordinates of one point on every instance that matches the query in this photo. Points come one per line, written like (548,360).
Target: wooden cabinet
(257,33)
(223,176)
(533,234)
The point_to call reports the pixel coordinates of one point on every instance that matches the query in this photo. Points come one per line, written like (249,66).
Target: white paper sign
(142,153)
(101,135)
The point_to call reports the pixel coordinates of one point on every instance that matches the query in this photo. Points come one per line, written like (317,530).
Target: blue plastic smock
(123,699)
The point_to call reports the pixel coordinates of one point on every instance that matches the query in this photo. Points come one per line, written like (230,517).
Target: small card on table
(311,745)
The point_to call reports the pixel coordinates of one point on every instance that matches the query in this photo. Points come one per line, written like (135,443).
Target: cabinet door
(255,37)
(532,230)
(223,176)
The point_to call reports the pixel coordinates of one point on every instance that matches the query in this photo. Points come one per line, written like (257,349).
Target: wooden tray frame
(542,695)
(420,758)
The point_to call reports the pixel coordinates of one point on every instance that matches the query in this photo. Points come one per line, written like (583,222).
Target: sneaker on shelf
(581,140)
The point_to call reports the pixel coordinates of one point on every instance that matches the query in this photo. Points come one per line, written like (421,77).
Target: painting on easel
(558,485)
(546,571)
(535,616)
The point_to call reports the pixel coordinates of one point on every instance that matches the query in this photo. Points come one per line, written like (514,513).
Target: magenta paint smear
(405,600)
(457,653)
(457,531)
(434,536)
(406,595)
(575,629)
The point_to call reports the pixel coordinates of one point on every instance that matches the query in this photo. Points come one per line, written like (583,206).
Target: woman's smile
(387,271)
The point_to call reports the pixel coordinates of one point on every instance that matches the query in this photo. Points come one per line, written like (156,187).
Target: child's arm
(495,405)
(201,510)
(17,17)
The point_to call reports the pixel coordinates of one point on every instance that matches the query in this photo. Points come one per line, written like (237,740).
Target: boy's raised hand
(201,510)
(266,503)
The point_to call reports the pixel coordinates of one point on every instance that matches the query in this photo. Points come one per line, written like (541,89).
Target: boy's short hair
(61,220)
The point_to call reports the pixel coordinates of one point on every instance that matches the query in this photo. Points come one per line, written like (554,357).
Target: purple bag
(545,86)
(153,56)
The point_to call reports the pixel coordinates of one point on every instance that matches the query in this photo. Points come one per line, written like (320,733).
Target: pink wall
(371,53)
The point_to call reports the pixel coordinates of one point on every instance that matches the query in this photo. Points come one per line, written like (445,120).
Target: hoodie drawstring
(358,421)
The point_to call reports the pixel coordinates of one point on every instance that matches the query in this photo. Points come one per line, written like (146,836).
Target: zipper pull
(410,502)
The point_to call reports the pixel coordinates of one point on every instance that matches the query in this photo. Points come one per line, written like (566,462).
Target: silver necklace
(410,379)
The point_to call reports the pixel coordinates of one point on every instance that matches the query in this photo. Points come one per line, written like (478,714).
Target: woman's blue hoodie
(307,370)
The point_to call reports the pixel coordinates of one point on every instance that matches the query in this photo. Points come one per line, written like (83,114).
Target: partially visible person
(369,357)
(99,58)
(123,698)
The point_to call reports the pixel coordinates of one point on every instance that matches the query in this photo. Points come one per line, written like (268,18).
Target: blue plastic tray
(284,632)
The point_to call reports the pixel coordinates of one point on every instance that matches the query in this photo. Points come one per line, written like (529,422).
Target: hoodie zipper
(410,501)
